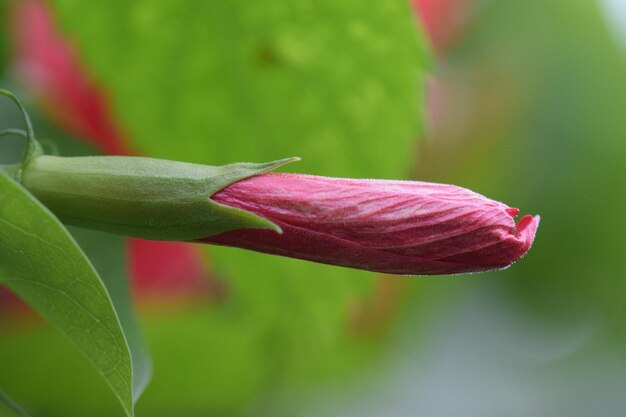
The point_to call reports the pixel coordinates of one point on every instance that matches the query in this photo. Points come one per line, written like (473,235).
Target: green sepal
(143,197)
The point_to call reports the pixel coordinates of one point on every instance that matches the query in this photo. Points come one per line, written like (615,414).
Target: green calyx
(135,196)
(143,197)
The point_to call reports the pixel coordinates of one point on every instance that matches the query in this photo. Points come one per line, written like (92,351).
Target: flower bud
(396,227)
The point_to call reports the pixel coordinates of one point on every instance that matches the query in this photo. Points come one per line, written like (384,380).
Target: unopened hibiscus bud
(396,227)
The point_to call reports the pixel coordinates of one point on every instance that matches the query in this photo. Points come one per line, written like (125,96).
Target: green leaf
(42,263)
(107,252)
(31,374)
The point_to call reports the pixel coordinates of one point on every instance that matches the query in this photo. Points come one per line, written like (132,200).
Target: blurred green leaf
(43,265)
(9,408)
(339,84)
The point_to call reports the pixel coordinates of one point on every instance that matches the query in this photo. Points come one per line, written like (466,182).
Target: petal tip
(512,211)
(527,228)
(525,232)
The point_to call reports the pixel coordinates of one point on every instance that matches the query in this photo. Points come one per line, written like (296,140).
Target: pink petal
(398,227)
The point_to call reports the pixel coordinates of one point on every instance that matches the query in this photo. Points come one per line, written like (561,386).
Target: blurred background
(523,101)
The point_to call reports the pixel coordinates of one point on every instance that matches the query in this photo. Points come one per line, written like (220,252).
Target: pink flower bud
(396,227)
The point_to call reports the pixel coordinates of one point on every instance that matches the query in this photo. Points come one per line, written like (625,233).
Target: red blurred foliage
(9,302)
(170,269)
(442,19)
(47,65)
